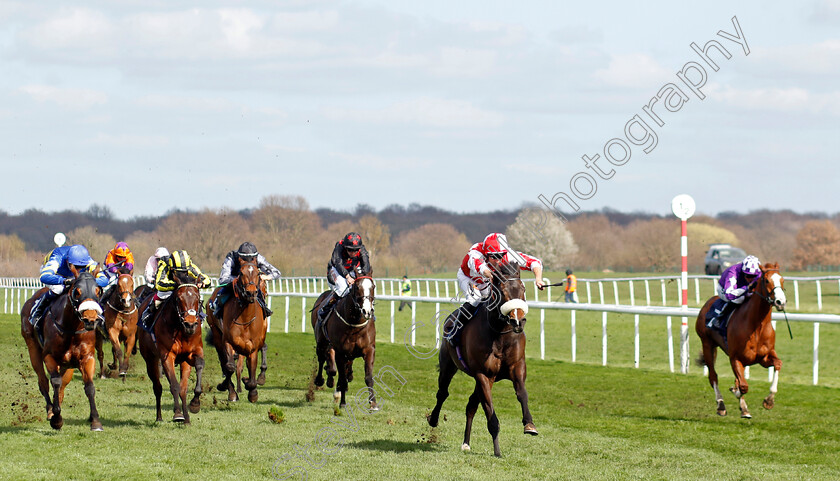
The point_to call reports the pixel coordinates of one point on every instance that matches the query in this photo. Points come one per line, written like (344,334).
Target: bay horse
(120,311)
(242,330)
(175,339)
(492,348)
(348,332)
(69,325)
(750,338)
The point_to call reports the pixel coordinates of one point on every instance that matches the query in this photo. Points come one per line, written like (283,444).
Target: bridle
(356,304)
(78,301)
(516,325)
(189,312)
(116,293)
(241,287)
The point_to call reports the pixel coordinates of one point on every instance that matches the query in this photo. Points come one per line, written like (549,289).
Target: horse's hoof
(261,379)
(336,396)
(746,415)
(433,421)
(96,426)
(374,407)
(195,407)
(112,366)
(233,398)
(123,373)
(768,403)
(531,429)
(330,382)
(350,376)
(178,418)
(159,420)
(319,381)
(103,376)
(721,412)
(222,386)
(56,422)
(465,447)
(253,396)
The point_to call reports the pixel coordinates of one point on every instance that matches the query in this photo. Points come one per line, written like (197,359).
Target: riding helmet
(78,255)
(751,266)
(247,250)
(179,260)
(495,243)
(121,249)
(352,241)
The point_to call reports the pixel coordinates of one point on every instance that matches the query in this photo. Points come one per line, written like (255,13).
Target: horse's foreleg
(251,383)
(770,400)
(445,374)
(487,403)
(56,421)
(369,355)
(472,407)
(331,366)
(341,386)
(264,366)
(709,357)
(100,355)
(238,370)
(116,349)
(741,387)
(518,375)
(168,365)
(322,358)
(37,361)
(129,345)
(195,404)
(182,391)
(153,372)
(88,368)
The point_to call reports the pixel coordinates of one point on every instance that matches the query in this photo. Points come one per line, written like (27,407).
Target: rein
(772,299)
(191,312)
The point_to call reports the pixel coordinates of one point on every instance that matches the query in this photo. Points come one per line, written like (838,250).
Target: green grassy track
(595,423)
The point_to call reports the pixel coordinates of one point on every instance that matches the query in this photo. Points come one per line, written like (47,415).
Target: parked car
(721,256)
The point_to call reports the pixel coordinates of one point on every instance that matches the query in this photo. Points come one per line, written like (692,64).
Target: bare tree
(375,235)
(599,239)
(538,233)
(97,244)
(435,247)
(817,243)
(207,235)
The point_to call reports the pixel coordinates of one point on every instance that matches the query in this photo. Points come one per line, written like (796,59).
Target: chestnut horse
(175,339)
(750,338)
(348,332)
(120,310)
(492,348)
(69,339)
(241,330)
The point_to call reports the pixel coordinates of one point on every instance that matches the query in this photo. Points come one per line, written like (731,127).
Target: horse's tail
(700,361)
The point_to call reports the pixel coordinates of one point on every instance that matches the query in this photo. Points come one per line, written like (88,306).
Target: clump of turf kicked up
(276,415)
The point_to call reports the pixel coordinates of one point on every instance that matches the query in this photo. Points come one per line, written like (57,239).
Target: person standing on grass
(571,286)
(405,290)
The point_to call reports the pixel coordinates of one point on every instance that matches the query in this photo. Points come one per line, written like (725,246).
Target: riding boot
(718,322)
(465,313)
(148,314)
(266,311)
(326,307)
(38,310)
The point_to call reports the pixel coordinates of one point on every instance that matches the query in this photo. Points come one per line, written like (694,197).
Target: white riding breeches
(473,293)
(338,283)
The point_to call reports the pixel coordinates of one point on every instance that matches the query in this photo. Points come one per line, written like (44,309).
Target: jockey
(231,269)
(735,286)
(475,274)
(118,259)
(59,271)
(165,282)
(152,264)
(349,259)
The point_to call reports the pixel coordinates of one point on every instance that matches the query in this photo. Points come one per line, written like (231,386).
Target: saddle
(715,312)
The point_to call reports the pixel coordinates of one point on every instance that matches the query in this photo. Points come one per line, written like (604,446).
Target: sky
(146,106)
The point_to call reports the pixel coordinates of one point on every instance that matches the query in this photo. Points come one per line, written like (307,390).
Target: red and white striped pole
(683,207)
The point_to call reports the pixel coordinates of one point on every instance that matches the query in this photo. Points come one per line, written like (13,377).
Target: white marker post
(59,239)
(683,207)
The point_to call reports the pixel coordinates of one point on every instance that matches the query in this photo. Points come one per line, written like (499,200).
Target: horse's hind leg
(472,407)
(168,364)
(741,387)
(37,361)
(56,421)
(709,357)
(100,355)
(322,358)
(773,360)
(116,349)
(182,391)
(341,386)
(264,366)
(331,366)
(446,371)
(129,345)
(195,404)
(239,360)
(518,377)
(369,355)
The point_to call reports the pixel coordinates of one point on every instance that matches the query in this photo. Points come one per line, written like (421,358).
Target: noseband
(189,312)
(510,305)
(768,298)
(241,287)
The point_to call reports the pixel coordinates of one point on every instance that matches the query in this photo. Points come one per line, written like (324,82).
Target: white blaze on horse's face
(367,293)
(779,294)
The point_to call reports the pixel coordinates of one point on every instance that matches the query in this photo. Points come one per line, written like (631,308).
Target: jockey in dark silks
(165,283)
(231,269)
(349,259)
(58,273)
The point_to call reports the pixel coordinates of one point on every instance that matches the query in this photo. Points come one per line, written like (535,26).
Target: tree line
(418,240)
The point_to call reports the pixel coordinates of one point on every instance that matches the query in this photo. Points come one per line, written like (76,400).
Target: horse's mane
(507,269)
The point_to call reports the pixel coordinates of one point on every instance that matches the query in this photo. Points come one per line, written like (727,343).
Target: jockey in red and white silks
(474,275)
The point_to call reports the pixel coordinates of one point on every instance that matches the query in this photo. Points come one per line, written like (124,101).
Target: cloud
(130,140)
(426,112)
(789,100)
(633,70)
(577,34)
(826,12)
(77,28)
(69,98)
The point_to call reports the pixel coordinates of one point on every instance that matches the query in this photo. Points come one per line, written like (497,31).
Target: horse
(120,311)
(492,348)
(348,332)
(750,338)
(69,326)
(175,339)
(241,331)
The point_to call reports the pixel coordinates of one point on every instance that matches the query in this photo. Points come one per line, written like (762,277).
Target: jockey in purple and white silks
(735,284)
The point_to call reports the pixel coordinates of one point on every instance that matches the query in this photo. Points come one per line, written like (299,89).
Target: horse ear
(764,267)
(96,271)
(74,270)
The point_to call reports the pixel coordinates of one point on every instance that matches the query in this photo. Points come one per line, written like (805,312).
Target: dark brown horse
(492,348)
(750,338)
(120,311)
(241,330)
(69,342)
(175,339)
(348,332)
